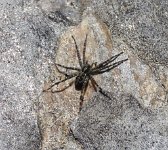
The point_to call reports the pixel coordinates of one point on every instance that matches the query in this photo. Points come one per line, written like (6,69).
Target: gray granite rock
(143,24)
(120,123)
(27,43)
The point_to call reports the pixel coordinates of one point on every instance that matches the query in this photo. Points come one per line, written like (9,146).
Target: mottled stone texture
(121,123)
(27,43)
(36,33)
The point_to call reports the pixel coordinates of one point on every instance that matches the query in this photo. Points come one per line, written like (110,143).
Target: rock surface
(120,123)
(36,34)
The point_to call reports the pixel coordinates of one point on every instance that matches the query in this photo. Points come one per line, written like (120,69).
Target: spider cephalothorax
(83,77)
(84,74)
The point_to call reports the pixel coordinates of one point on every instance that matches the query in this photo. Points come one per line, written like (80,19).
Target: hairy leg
(100,89)
(56,83)
(83,91)
(84,50)
(63,72)
(71,68)
(69,85)
(108,67)
(93,84)
(78,54)
(107,61)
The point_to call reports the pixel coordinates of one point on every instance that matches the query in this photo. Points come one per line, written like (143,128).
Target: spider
(84,74)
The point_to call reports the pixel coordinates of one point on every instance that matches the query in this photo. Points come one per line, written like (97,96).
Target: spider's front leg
(84,50)
(107,67)
(78,54)
(108,61)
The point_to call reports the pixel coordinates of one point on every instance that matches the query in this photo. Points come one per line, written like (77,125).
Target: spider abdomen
(80,81)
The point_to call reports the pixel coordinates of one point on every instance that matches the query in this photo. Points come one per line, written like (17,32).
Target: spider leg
(78,54)
(94,86)
(107,68)
(109,65)
(111,59)
(70,84)
(83,91)
(56,83)
(63,72)
(100,89)
(84,50)
(71,68)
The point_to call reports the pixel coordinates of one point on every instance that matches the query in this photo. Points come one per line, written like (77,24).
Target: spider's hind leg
(56,83)
(94,83)
(66,87)
(83,91)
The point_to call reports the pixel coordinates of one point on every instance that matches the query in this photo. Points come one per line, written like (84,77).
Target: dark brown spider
(85,73)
